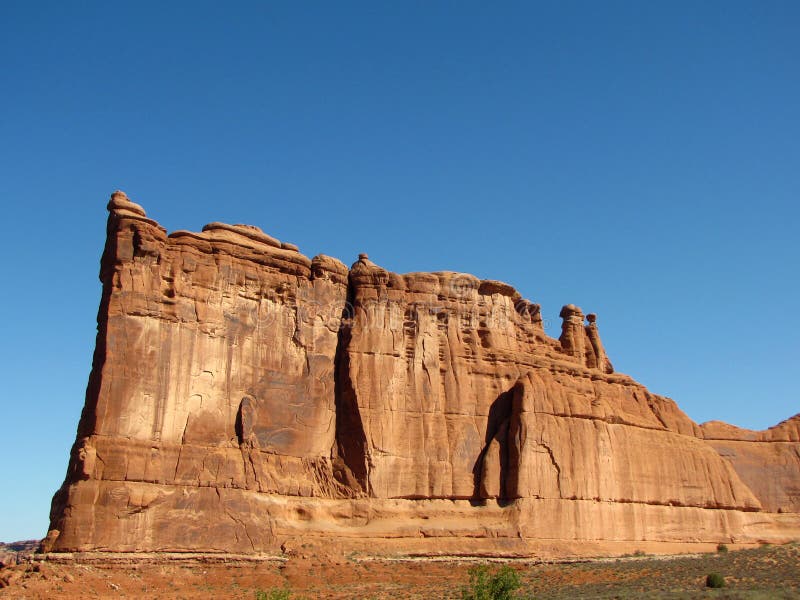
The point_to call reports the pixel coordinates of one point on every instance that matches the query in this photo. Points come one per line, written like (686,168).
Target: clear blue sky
(639,159)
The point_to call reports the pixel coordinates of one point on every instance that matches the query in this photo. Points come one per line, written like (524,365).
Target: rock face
(245,398)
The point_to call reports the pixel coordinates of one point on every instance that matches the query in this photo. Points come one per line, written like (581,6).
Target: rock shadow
(350,461)
(491,468)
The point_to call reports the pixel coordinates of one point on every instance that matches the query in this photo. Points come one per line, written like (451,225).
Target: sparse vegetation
(715,580)
(485,585)
(273,594)
(749,574)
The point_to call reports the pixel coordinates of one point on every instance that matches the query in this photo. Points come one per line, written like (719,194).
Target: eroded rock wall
(214,365)
(244,396)
(767,461)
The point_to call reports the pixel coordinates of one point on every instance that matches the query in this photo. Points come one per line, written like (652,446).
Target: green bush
(484,585)
(715,580)
(722,548)
(273,594)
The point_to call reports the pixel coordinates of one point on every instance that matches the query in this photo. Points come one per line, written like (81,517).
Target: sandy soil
(768,572)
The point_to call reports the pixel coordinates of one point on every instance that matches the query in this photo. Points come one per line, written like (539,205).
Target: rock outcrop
(246,398)
(16,552)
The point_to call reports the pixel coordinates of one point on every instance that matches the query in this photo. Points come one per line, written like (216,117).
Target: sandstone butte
(246,399)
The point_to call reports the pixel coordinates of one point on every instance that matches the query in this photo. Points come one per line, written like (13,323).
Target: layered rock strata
(246,398)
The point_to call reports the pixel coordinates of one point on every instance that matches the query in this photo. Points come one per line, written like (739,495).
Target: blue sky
(639,159)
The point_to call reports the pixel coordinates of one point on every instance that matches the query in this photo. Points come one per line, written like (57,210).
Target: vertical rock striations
(243,396)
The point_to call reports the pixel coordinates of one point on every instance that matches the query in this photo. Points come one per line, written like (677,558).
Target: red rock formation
(767,461)
(243,397)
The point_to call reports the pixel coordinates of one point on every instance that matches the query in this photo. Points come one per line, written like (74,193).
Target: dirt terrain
(766,572)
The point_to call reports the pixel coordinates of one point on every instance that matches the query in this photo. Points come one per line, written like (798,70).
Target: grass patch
(273,594)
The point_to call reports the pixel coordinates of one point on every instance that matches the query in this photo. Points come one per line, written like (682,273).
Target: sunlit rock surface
(246,398)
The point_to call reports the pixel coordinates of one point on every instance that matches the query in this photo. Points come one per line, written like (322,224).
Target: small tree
(484,585)
(722,548)
(715,580)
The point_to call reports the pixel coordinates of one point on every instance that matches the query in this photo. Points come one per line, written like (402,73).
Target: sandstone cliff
(246,398)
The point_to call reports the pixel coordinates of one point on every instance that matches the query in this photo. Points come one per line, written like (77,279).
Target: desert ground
(765,572)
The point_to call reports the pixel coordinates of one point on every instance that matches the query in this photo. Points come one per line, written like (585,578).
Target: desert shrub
(485,585)
(273,594)
(722,548)
(715,580)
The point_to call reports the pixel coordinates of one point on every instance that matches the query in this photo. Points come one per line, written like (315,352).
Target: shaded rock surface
(244,396)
